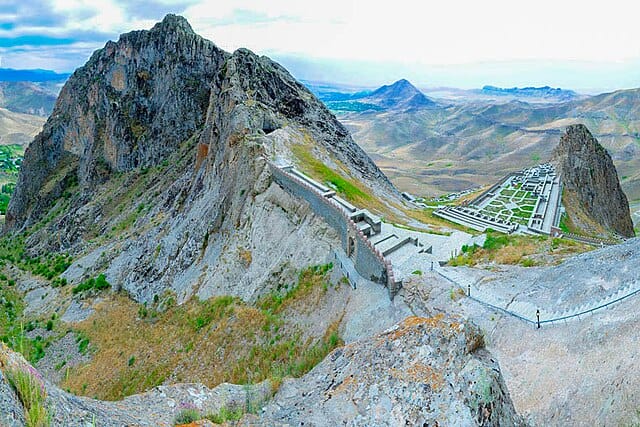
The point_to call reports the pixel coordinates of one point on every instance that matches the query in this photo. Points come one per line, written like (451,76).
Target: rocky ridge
(154,168)
(138,98)
(423,371)
(592,196)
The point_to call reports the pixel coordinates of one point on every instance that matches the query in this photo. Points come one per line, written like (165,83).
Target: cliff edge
(592,195)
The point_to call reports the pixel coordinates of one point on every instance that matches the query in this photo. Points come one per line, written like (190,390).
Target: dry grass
(346,186)
(218,340)
(245,257)
(528,251)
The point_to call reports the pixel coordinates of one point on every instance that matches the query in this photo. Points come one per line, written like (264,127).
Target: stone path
(516,304)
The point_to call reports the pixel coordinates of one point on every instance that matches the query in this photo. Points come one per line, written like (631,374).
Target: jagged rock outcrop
(154,165)
(138,98)
(592,197)
(423,371)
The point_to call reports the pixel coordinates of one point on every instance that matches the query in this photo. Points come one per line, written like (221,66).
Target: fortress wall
(368,261)
(319,204)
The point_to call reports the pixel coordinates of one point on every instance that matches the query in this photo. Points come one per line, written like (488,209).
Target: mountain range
(194,234)
(544,92)
(452,145)
(399,96)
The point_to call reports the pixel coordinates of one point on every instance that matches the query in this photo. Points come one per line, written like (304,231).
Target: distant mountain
(334,91)
(463,144)
(16,128)
(401,95)
(27,97)
(544,92)
(37,75)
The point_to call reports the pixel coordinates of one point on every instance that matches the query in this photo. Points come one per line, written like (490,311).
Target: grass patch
(13,326)
(527,251)
(12,250)
(349,188)
(226,414)
(235,342)
(30,391)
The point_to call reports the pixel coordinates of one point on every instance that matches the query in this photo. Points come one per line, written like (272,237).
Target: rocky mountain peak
(399,95)
(173,23)
(400,88)
(164,128)
(592,194)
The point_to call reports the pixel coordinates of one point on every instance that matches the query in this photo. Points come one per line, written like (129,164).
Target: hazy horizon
(457,44)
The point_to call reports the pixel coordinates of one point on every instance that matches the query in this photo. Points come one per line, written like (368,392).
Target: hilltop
(543,92)
(398,96)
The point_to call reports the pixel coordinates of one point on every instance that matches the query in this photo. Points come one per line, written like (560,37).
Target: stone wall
(368,261)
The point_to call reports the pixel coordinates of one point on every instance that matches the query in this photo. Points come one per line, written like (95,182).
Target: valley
(455,144)
(193,236)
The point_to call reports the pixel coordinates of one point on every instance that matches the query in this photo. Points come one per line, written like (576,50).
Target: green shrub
(83,342)
(495,242)
(99,283)
(187,416)
(32,395)
(225,415)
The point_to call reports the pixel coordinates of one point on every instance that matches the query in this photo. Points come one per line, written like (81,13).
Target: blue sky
(582,45)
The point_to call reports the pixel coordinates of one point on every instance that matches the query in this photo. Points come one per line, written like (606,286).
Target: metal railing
(537,322)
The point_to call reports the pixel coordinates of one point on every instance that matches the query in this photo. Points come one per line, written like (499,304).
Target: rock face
(138,98)
(423,371)
(154,165)
(592,191)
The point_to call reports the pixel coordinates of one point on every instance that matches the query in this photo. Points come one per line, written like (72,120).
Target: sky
(583,45)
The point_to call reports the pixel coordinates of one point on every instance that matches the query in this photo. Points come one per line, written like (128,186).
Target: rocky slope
(581,372)
(155,164)
(27,98)
(17,128)
(423,371)
(592,192)
(426,371)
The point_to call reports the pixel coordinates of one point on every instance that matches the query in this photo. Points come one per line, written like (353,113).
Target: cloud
(61,58)
(153,9)
(248,17)
(455,33)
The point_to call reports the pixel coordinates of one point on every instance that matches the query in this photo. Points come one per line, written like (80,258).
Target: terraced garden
(512,204)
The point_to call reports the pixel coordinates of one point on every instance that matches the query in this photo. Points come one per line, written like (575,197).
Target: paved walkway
(515,304)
